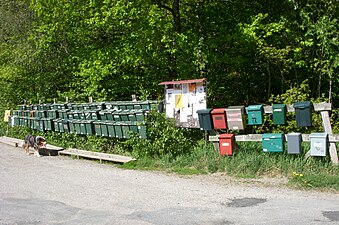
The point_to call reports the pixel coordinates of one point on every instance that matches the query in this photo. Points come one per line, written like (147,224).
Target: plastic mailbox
(226,144)
(273,142)
(303,113)
(205,119)
(219,118)
(279,113)
(294,143)
(319,144)
(235,117)
(255,114)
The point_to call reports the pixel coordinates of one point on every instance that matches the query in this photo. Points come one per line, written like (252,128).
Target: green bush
(163,139)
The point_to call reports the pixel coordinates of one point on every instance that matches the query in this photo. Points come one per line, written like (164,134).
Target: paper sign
(178,101)
(7,114)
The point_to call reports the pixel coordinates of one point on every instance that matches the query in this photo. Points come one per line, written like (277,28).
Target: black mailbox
(303,113)
(205,119)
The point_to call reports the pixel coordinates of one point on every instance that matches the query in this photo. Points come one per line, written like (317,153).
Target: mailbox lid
(204,111)
(255,108)
(226,136)
(272,136)
(319,135)
(303,105)
(218,111)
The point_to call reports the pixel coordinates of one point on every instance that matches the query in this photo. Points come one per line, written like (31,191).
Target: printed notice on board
(179,101)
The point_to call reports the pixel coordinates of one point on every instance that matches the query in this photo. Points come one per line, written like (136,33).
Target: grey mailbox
(319,144)
(294,143)
(235,117)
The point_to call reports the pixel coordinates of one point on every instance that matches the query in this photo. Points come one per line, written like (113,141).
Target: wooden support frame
(324,108)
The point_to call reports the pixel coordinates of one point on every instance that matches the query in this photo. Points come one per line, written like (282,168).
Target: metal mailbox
(142,130)
(319,144)
(71,126)
(272,142)
(235,117)
(294,143)
(255,114)
(110,131)
(97,128)
(279,113)
(303,113)
(118,130)
(205,119)
(226,144)
(219,118)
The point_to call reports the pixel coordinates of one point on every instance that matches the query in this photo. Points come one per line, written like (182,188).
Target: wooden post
(90,99)
(328,129)
(67,99)
(54,100)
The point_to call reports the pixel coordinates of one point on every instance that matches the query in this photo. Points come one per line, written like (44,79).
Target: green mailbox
(303,113)
(53,113)
(16,120)
(205,119)
(125,129)
(279,113)
(63,113)
(102,115)
(118,130)
(89,127)
(142,130)
(255,114)
(77,127)
(56,125)
(41,126)
(71,126)
(82,127)
(104,129)
(65,125)
(47,123)
(272,142)
(110,129)
(97,128)
(133,126)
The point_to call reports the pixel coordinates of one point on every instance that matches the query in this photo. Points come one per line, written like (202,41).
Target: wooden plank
(333,138)
(97,155)
(18,143)
(323,106)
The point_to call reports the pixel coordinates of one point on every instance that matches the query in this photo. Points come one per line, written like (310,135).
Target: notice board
(182,100)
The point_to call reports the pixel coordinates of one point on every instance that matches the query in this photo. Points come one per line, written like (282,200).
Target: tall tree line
(248,50)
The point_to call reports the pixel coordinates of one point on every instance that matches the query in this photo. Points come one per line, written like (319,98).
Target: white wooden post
(328,129)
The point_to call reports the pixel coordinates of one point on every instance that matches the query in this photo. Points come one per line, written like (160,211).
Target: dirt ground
(62,190)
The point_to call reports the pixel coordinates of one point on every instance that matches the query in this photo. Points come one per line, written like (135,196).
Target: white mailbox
(319,144)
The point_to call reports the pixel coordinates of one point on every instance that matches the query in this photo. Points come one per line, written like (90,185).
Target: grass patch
(248,161)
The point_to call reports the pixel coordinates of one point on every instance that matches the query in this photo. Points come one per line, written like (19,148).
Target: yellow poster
(178,101)
(7,114)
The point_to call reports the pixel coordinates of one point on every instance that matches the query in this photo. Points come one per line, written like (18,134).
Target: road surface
(65,191)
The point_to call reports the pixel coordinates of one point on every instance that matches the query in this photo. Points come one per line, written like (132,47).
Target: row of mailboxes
(233,117)
(274,142)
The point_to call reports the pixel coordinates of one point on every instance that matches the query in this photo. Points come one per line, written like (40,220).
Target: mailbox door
(303,113)
(255,114)
(294,143)
(219,118)
(205,119)
(319,144)
(97,128)
(226,144)
(273,142)
(279,114)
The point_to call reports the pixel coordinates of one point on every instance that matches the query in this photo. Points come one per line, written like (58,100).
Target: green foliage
(164,139)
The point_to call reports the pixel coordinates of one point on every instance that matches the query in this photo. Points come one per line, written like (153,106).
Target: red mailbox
(219,118)
(226,144)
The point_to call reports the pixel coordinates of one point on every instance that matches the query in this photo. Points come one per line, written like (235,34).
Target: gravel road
(61,190)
